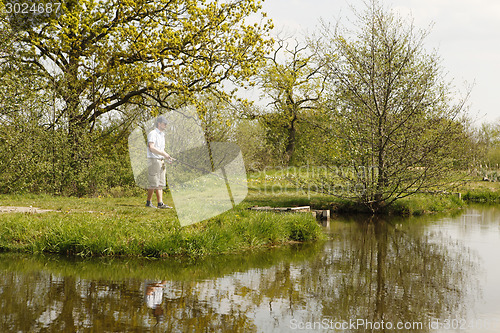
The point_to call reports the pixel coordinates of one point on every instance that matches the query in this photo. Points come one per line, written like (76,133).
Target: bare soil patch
(17,209)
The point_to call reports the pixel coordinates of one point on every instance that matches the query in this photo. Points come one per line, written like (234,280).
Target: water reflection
(154,298)
(397,273)
(391,271)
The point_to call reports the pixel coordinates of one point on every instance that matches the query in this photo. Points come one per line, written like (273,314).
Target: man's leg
(159,195)
(150,194)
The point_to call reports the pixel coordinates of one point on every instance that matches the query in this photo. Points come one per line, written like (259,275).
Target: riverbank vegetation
(118,225)
(118,269)
(122,226)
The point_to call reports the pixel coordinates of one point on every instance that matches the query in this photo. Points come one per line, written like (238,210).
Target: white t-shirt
(157,137)
(155,298)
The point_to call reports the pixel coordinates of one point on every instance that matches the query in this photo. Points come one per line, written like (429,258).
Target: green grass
(421,204)
(481,192)
(417,204)
(482,196)
(276,188)
(122,226)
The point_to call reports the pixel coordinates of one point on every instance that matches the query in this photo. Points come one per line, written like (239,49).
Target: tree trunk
(290,147)
(381,181)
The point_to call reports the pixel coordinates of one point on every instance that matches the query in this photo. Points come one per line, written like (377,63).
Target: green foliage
(135,232)
(493,156)
(399,129)
(37,160)
(295,86)
(102,66)
(487,140)
(113,52)
(277,188)
(420,204)
(263,140)
(482,196)
(256,149)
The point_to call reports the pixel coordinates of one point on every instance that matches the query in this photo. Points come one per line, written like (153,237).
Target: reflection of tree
(373,271)
(33,300)
(397,275)
(376,271)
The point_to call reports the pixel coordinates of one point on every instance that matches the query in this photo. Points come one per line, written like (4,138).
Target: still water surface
(429,274)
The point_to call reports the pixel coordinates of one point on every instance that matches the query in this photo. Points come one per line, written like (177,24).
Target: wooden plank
(283,209)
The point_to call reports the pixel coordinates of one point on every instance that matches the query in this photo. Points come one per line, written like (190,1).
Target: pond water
(428,274)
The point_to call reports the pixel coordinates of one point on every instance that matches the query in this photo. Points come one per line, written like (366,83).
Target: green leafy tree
(22,109)
(489,143)
(400,126)
(294,83)
(101,57)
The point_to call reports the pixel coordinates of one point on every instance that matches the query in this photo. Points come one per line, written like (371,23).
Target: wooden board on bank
(283,209)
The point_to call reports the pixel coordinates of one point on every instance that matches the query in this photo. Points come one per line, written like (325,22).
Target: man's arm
(153,149)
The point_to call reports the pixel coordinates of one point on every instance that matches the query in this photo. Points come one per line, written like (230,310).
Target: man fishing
(156,162)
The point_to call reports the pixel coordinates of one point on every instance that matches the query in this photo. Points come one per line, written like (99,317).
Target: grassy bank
(277,187)
(483,196)
(122,226)
(481,192)
(415,205)
(421,204)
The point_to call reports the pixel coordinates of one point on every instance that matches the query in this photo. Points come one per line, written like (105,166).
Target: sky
(466,34)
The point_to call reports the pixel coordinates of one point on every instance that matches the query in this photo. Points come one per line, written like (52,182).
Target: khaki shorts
(156,173)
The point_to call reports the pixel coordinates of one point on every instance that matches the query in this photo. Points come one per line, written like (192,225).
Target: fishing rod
(209,172)
(227,152)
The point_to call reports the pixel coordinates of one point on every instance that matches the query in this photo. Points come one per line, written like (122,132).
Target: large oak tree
(103,54)
(294,84)
(110,61)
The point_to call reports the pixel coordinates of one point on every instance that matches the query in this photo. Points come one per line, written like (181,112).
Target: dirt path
(15,209)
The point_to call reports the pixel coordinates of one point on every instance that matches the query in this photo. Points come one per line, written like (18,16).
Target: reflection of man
(154,297)
(156,162)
